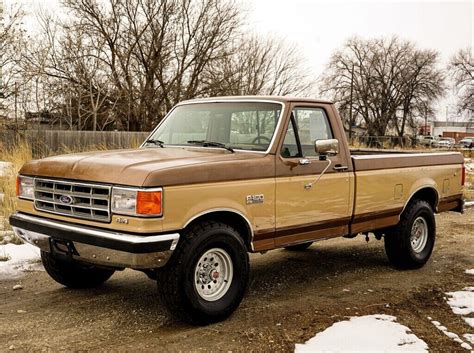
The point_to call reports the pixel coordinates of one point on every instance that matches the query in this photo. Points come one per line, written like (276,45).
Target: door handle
(304,161)
(340,168)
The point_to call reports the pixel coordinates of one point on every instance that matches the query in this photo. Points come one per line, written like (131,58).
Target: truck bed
(386,181)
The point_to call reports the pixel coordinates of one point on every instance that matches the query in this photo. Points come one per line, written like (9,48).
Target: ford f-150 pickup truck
(219,178)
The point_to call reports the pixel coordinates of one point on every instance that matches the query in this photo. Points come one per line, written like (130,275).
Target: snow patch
(469,337)
(362,334)
(469,321)
(462,302)
(20,258)
(451,335)
(470,272)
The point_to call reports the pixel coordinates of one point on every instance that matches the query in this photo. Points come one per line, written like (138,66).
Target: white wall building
(440,127)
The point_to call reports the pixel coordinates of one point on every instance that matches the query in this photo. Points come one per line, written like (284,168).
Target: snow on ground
(469,321)
(371,333)
(469,337)
(24,257)
(451,335)
(462,302)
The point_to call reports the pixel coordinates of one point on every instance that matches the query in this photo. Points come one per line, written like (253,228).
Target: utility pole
(447,108)
(350,104)
(426,121)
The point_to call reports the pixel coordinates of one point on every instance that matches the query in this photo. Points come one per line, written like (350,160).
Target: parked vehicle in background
(222,177)
(427,140)
(444,142)
(467,142)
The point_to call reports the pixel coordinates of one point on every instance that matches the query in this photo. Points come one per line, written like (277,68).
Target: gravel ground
(292,296)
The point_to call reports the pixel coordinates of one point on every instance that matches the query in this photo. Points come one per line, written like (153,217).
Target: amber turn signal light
(149,203)
(18,181)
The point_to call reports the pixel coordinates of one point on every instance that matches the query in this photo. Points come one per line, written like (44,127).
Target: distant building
(455,129)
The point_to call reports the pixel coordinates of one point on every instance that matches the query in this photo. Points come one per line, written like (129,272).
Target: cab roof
(282,99)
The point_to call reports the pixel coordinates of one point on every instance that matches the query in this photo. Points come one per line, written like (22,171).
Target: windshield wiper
(156,142)
(205,143)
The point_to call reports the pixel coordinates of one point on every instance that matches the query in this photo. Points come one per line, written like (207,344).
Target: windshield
(239,125)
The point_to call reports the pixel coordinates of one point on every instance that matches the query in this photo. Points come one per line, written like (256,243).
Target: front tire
(74,274)
(410,244)
(207,275)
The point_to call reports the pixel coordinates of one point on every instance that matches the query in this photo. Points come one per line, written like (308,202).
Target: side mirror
(326,148)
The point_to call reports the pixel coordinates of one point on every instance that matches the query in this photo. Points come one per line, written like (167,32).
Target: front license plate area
(62,247)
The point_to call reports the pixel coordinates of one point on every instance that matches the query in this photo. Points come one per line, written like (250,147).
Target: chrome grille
(80,200)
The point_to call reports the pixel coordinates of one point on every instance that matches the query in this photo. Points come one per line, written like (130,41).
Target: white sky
(321,27)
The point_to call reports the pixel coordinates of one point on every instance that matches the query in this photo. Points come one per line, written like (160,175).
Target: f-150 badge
(259,198)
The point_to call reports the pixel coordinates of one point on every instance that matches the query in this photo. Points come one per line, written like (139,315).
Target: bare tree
(422,84)
(391,82)
(254,65)
(125,63)
(12,39)
(461,69)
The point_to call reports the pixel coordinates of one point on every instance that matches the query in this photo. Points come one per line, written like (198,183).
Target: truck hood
(148,167)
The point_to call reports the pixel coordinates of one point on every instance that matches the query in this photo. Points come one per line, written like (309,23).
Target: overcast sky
(321,27)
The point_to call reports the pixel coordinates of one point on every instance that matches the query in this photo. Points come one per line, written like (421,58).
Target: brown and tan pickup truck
(217,179)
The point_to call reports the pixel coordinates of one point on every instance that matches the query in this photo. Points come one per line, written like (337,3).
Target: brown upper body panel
(404,160)
(150,167)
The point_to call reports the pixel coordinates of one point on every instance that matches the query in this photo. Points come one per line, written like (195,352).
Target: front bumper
(94,245)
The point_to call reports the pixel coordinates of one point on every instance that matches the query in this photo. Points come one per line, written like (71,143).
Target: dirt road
(291,297)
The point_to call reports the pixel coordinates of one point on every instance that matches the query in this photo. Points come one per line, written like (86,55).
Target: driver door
(307,211)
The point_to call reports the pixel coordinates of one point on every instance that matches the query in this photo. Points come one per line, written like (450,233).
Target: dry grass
(17,155)
(469,187)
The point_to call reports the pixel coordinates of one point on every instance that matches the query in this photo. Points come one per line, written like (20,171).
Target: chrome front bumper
(93,245)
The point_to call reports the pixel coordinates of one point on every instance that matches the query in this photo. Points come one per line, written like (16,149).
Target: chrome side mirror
(326,148)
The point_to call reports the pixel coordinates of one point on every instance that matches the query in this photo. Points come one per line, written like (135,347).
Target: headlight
(25,187)
(137,202)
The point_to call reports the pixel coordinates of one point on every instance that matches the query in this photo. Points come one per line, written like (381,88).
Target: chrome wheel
(419,234)
(213,274)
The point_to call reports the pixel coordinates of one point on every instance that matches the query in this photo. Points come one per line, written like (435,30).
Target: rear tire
(299,247)
(206,277)
(409,244)
(74,274)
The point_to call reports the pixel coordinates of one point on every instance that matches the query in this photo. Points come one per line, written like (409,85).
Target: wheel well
(233,219)
(427,194)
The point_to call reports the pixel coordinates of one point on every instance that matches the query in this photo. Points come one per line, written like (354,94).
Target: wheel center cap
(215,275)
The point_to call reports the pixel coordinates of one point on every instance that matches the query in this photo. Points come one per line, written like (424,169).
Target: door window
(312,124)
